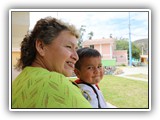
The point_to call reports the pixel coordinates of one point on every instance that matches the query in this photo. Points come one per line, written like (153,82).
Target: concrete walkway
(134,70)
(133,78)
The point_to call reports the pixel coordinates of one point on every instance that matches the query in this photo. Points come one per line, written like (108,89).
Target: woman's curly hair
(46,30)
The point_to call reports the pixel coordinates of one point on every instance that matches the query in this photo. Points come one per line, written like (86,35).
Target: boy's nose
(96,70)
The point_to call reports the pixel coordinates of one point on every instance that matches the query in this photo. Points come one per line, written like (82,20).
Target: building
(19,28)
(107,48)
(144,59)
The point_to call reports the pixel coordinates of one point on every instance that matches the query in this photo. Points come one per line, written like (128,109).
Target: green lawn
(124,93)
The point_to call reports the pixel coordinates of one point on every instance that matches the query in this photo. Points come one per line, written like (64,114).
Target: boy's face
(91,70)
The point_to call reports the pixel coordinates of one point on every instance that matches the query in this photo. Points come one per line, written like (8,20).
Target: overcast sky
(103,23)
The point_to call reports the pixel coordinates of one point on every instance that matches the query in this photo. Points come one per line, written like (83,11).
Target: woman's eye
(76,48)
(68,46)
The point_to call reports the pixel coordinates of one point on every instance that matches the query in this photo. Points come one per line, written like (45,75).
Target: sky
(102,23)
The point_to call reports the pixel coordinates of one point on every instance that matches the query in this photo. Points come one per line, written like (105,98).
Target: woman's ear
(77,72)
(40,47)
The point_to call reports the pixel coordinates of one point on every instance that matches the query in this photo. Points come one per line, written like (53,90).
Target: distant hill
(142,44)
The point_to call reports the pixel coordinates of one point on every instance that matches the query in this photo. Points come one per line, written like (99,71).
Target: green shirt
(39,88)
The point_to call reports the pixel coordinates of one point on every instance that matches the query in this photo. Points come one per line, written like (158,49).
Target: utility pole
(57,15)
(130,44)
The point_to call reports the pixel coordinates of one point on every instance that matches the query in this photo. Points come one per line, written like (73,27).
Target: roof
(98,41)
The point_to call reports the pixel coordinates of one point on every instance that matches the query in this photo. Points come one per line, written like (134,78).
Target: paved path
(134,70)
(133,78)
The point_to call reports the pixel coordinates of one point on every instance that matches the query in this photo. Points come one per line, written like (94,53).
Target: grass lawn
(124,93)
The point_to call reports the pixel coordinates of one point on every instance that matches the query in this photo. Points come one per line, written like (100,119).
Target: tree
(123,44)
(135,51)
(82,30)
(110,36)
(90,35)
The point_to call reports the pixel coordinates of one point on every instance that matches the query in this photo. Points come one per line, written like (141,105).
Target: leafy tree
(110,36)
(135,51)
(82,30)
(123,44)
(90,35)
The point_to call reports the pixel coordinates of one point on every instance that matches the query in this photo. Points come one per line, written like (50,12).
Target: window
(121,56)
(92,46)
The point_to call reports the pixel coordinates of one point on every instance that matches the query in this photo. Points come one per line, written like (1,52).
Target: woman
(48,56)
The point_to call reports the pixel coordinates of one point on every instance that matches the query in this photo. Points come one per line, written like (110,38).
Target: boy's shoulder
(80,82)
(86,86)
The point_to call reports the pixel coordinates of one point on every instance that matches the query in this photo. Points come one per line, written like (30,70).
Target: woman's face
(60,56)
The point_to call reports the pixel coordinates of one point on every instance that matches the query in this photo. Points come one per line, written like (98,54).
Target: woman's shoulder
(38,71)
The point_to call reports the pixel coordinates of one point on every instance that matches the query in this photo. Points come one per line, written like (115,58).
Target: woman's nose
(75,56)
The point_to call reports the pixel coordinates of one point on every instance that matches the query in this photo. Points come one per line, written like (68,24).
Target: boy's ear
(40,47)
(77,72)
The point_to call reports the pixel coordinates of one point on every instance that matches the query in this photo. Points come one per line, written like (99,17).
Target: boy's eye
(93,68)
(100,66)
(90,67)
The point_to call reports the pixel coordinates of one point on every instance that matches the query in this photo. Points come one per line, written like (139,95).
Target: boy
(89,70)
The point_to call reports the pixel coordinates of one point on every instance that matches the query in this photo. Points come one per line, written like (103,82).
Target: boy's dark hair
(85,53)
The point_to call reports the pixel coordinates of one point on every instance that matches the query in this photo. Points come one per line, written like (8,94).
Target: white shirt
(91,96)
